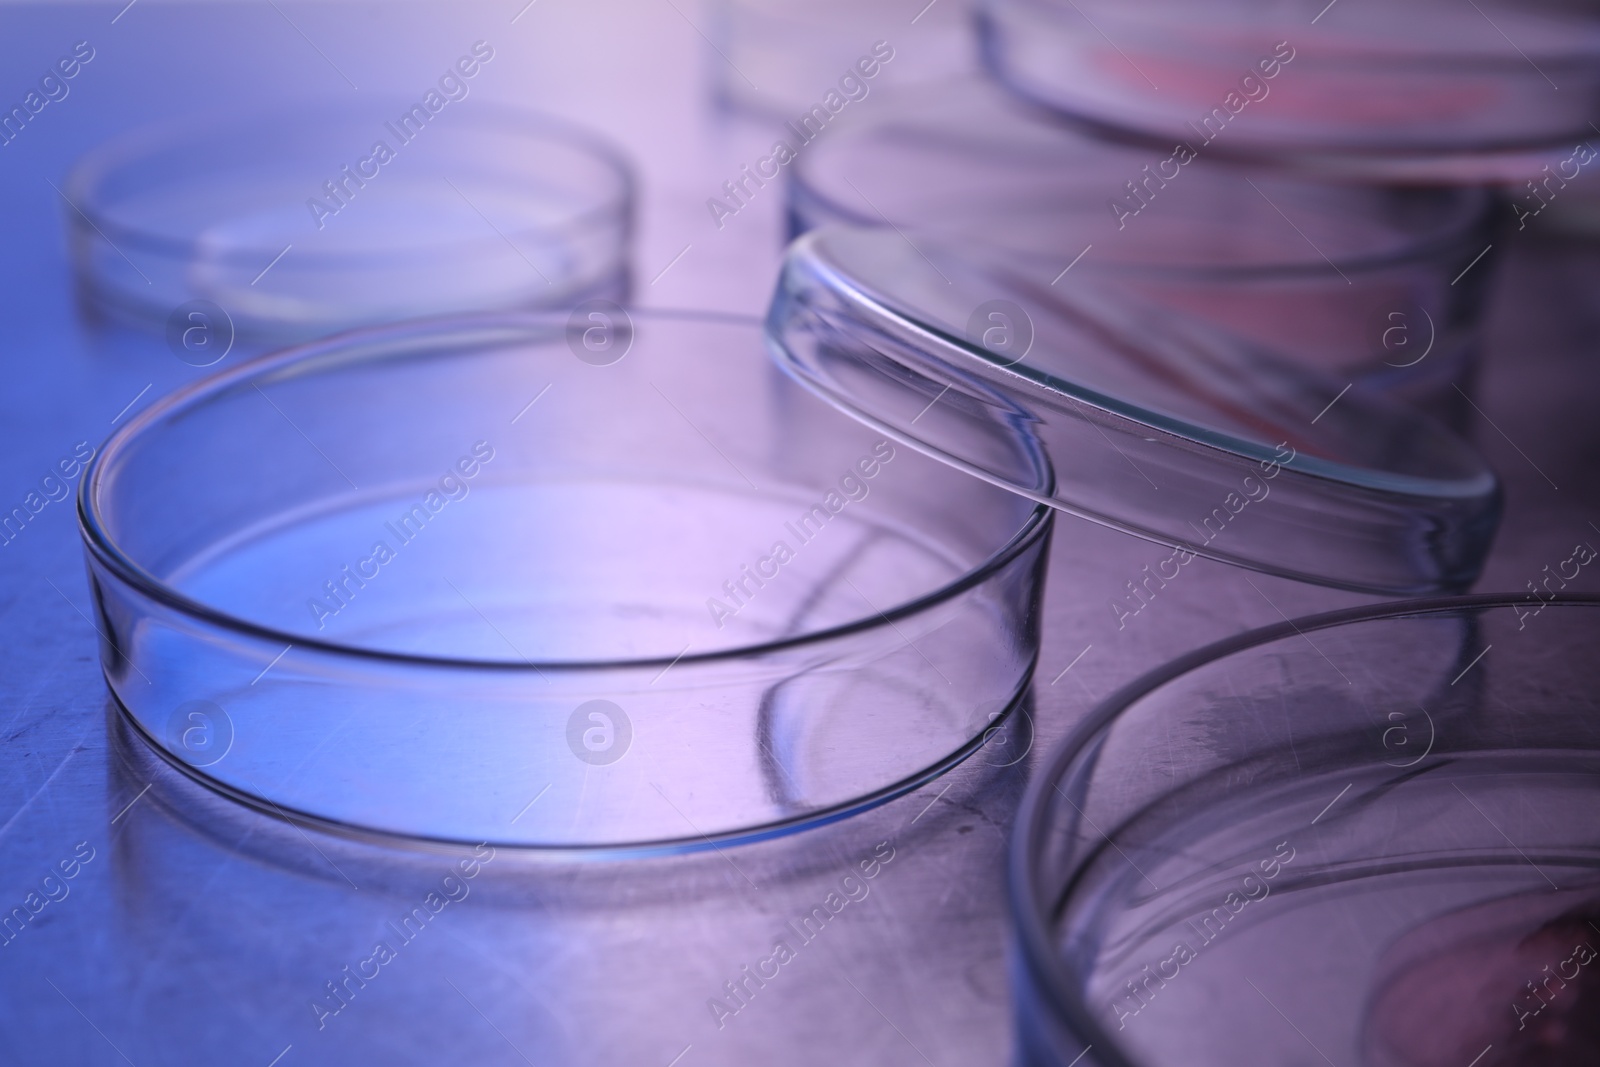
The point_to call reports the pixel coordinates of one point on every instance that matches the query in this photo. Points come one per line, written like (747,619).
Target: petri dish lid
(1138,418)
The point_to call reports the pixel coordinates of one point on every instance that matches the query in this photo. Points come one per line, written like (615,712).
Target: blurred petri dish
(1426,90)
(782,58)
(1368,281)
(301,222)
(1364,837)
(590,582)
(1149,421)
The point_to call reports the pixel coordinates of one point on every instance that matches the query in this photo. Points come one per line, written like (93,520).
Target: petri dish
(783,58)
(1383,284)
(297,223)
(1364,837)
(1148,421)
(599,581)
(1427,90)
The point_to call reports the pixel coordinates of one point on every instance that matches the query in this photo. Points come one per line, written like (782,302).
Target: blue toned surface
(200,932)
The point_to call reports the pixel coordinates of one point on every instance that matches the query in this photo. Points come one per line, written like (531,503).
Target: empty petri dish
(1364,837)
(810,60)
(589,581)
(1148,421)
(1423,90)
(298,223)
(1382,284)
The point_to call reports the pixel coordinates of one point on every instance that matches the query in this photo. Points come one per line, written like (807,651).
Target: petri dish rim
(415,339)
(883,310)
(1029,928)
(1476,206)
(1504,160)
(1347,164)
(1466,58)
(143,143)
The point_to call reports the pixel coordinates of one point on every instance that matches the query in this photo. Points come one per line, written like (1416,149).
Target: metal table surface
(201,932)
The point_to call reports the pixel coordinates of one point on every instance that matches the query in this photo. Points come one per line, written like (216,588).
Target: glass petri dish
(1425,90)
(1149,421)
(301,222)
(1368,281)
(1364,837)
(586,582)
(782,58)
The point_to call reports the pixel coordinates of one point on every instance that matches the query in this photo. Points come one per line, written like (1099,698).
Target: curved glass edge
(809,205)
(113,289)
(1370,531)
(1508,159)
(425,338)
(621,851)
(1020,561)
(876,311)
(97,165)
(1047,1008)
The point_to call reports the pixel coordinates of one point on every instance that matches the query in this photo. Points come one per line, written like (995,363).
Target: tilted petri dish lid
(1384,280)
(1429,90)
(1143,420)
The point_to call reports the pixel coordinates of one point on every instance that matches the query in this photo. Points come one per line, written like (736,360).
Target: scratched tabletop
(169,926)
